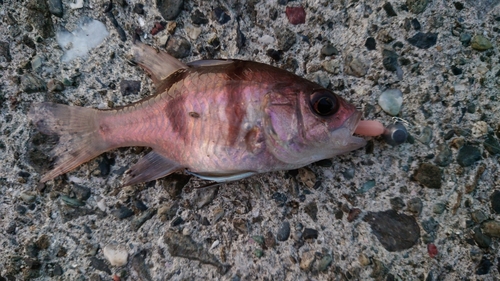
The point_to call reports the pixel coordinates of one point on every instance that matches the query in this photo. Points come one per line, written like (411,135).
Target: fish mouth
(352,122)
(352,142)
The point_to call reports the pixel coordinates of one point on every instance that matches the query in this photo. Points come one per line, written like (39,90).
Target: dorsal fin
(157,63)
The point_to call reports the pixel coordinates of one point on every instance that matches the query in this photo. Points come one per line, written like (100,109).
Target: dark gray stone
(283,232)
(491,144)
(122,212)
(423,40)
(169,9)
(31,83)
(415,206)
(198,17)
(310,233)
(390,60)
(495,201)
(130,87)
(396,232)
(5,51)
(221,16)
(468,155)
(370,43)
(99,264)
(329,50)
(55,7)
(389,9)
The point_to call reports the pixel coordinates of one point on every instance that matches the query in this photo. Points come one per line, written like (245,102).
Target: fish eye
(324,103)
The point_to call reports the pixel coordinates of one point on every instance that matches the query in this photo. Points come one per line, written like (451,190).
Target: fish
(220,120)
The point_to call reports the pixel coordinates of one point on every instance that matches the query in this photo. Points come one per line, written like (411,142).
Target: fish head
(307,124)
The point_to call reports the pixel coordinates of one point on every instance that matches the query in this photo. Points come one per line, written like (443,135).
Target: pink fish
(220,120)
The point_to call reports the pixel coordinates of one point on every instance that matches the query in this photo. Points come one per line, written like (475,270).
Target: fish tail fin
(78,132)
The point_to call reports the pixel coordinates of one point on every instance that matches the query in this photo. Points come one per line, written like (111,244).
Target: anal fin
(223,177)
(150,167)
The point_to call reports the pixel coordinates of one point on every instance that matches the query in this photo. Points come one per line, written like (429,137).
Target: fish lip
(352,122)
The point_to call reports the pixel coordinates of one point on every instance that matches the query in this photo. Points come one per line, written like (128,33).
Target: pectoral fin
(150,167)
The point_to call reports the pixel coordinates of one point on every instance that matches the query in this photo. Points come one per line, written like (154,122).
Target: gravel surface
(428,209)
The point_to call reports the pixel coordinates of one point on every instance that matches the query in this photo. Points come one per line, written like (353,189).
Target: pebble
(391,101)
(5,51)
(306,177)
(193,32)
(370,44)
(54,85)
(296,15)
(72,202)
(197,17)
(283,232)
(396,232)
(484,266)
(31,83)
(82,193)
(483,241)
(468,155)
(138,264)
(329,50)
(415,206)
(465,38)
(366,186)
(130,87)
(178,47)
(479,216)
(169,9)
(99,264)
(495,201)
(139,8)
(137,222)
(432,250)
(312,210)
(306,260)
(417,6)
(355,66)
(274,54)
(242,225)
(39,17)
(389,9)
(480,43)
(444,155)
(397,203)
(116,254)
(415,24)
(310,233)
(184,246)
(221,16)
(479,129)
(122,212)
(286,39)
(390,60)
(55,7)
(325,262)
(27,197)
(269,240)
(491,228)
(204,196)
(426,136)
(363,259)
(492,145)
(428,175)
(423,40)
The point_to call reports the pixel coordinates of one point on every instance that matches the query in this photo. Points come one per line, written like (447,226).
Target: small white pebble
(479,129)
(215,244)
(116,254)
(391,100)
(141,21)
(102,205)
(266,39)
(77,5)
